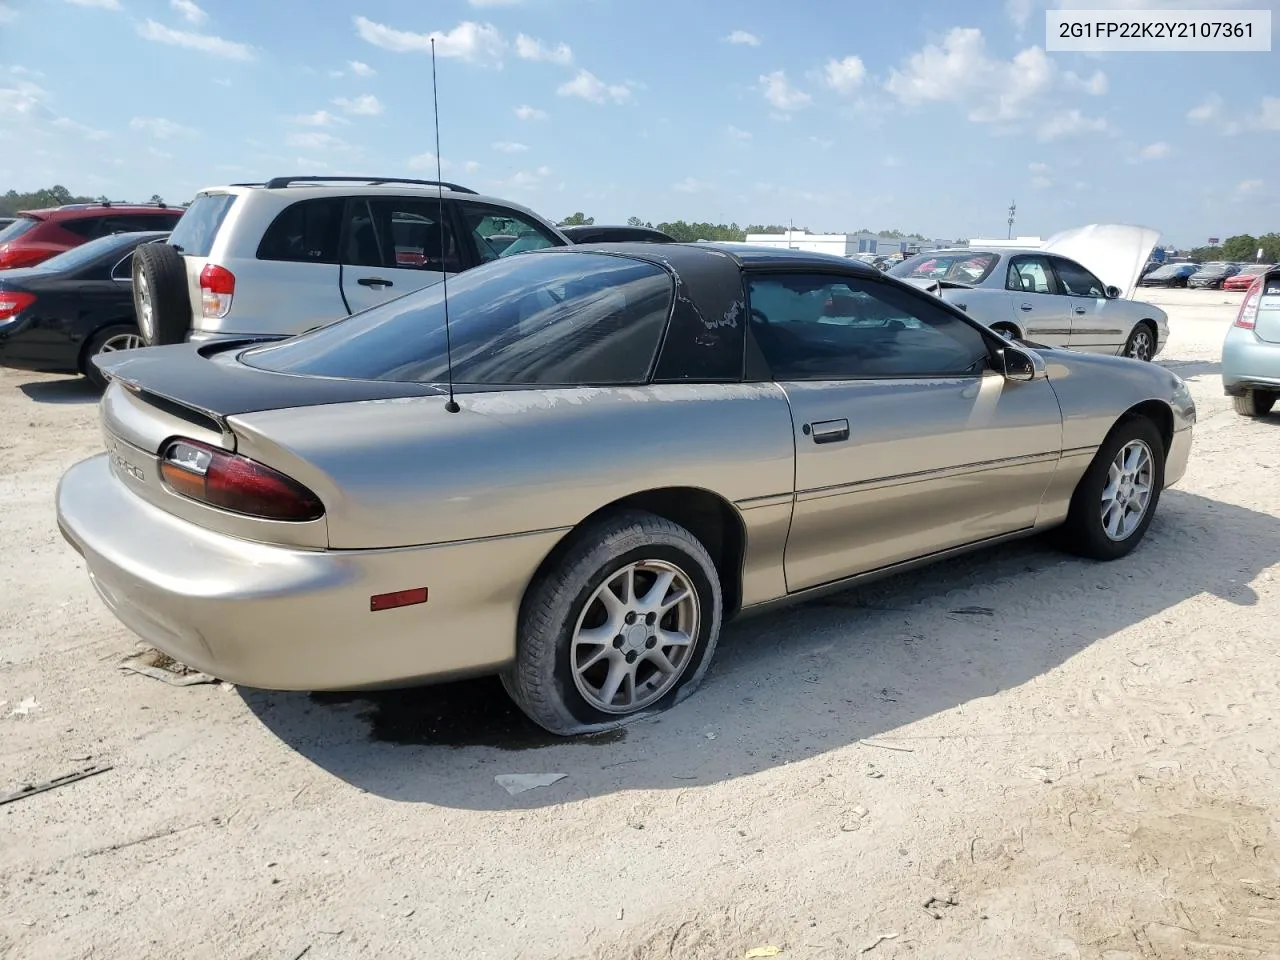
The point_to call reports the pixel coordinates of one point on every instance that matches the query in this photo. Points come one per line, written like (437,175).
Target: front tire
(623,626)
(1254,403)
(1141,344)
(118,336)
(1116,498)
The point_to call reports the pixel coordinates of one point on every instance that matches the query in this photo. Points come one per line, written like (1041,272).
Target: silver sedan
(1044,297)
(1251,350)
(601,456)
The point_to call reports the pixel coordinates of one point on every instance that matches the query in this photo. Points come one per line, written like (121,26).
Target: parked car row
(1217,275)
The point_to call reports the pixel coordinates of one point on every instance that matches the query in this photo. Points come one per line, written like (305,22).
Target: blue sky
(927,116)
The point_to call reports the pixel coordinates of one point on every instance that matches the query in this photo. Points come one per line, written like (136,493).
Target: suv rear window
(544,319)
(16,229)
(194,234)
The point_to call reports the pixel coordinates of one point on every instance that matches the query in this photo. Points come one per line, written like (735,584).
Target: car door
(1038,310)
(1098,325)
(907,444)
(395,245)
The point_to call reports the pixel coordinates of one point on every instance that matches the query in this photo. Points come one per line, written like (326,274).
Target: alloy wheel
(1127,493)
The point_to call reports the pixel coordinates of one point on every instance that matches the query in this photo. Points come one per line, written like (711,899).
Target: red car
(1244,279)
(36,235)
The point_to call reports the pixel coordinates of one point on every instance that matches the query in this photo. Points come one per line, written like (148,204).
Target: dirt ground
(1016,754)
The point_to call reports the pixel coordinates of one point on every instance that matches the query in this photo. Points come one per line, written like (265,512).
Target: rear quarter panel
(406,472)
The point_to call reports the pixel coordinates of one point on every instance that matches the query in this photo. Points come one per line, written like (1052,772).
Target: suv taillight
(217,287)
(13,302)
(1248,314)
(20,256)
(232,482)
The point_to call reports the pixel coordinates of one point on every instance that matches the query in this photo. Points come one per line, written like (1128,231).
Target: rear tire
(118,336)
(1141,344)
(1254,403)
(583,664)
(160,297)
(1093,529)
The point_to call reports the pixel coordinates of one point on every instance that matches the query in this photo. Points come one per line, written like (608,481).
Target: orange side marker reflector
(401,598)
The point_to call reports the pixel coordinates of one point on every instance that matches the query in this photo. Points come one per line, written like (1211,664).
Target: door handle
(374,282)
(828,431)
(1026,307)
(1079,310)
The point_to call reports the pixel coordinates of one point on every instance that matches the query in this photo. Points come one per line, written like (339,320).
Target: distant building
(1003,243)
(843,244)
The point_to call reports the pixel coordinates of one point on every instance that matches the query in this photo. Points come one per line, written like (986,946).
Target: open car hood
(1114,252)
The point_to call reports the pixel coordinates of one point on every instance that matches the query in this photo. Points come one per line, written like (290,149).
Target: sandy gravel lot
(1075,760)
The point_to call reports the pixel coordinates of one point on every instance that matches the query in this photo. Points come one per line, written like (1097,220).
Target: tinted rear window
(195,232)
(305,232)
(16,229)
(544,319)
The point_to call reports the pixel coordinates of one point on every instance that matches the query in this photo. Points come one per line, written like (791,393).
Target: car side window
(1076,280)
(123,270)
(500,232)
(412,235)
(815,327)
(305,232)
(87,228)
(1029,275)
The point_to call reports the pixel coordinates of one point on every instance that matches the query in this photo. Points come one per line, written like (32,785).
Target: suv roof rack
(276,183)
(111,203)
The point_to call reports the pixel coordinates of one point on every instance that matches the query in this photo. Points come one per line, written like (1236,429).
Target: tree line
(1243,248)
(685,232)
(55,196)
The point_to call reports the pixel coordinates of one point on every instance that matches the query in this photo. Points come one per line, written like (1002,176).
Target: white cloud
(1038,167)
(1041,183)
(822,143)
(509,146)
(738,134)
(427,161)
(1210,109)
(364,106)
(526,112)
(205,43)
(321,118)
(71,126)
(531,48)
(845,75)
(471,41)
(160,128)
(1070,123)
(689,185)
(891,161)
(590,87)
(102,4)
(189,11)
(1155,151)
(360,69)
(779,93)
(1248,186)
(1019,11)
(315,141)
(7,13)
(23,99)
(991,90)
(1096,84)
(742,37)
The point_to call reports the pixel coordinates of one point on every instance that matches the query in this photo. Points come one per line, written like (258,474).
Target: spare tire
(160,296)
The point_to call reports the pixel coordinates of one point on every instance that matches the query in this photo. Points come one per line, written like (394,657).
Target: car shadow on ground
(795,683)
(76,390)
(1191,369)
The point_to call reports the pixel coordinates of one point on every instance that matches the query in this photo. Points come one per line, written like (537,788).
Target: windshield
(958,267)
(1172,270)
(16,229)
(1214,268)
(548,319)
(1255,269)
(194,234)
(86,253)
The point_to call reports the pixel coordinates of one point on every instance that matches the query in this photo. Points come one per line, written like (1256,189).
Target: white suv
(280,257)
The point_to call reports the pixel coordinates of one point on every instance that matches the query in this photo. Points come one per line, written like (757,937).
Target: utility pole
(1013,208)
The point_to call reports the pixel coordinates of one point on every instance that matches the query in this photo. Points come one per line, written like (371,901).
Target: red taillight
(11,257)
(1248,314)
(13,302)
(232,482)
(217,288)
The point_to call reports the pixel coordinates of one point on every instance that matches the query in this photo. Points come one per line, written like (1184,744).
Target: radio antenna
(452,405)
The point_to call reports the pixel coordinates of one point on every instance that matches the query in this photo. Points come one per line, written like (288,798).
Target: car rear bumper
(1249,362)
(284,618)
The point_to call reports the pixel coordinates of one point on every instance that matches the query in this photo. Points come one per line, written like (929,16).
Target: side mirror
(1113,293)
(1020,365)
